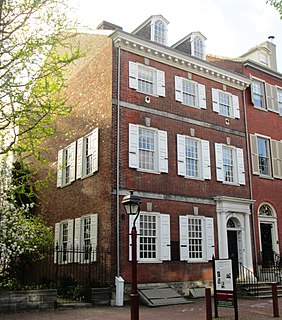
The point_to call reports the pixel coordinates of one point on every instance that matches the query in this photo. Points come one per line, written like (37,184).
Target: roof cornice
(175,58)
(258,67)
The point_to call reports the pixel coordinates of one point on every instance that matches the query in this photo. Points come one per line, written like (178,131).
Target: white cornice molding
(177,59)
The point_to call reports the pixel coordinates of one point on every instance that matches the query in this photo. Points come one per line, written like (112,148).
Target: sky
(231,27)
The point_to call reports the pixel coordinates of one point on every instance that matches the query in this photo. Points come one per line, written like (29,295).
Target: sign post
(224,286)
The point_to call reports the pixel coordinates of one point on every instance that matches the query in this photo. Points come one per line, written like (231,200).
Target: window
(153,241)
(66,165)
(190,93)
(199,48)
(225,103)
(193,157)
(64,241)
(76,239)
(196,238)
(263,156)
(160,32)
(266,156)
(229,164)
(263,58)
(85,238)
(279,98)
(258,94)
(146,79)
(87,154)
(266,96)
(78,160)
(148,149)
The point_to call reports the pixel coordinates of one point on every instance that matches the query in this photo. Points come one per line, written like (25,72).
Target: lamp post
(131,204)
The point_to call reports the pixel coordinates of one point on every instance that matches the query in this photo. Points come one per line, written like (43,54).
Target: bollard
(208,304)
(275,300)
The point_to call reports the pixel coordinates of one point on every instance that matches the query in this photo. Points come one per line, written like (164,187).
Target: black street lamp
(131,204)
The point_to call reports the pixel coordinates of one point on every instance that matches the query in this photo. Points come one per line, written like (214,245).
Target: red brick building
(164,122)
(263,101)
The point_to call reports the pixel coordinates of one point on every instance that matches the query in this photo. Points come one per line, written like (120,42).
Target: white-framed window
(199,48)
(148,149)
(193,157)
(196,238)
(64,241)
(229,164)
(153,237)
(266,156)
(87,154)
(146,79)
(76,239)
(160,32)
(86,238)
(225,103)
(190,93)
(66,165)
(258,94)
(279,99)
(263,58)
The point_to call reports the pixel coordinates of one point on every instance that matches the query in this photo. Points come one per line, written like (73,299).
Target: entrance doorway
(266,244)
(233,250)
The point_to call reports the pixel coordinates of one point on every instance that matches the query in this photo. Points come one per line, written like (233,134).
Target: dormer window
(263,58)
(199,48)
(160,32)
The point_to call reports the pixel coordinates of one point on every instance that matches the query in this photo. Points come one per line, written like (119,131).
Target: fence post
(275,300)
(208,304)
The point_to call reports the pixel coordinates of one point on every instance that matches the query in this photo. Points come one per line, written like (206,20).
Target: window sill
(266,177)
(149,261)
(235,184)
(148,171)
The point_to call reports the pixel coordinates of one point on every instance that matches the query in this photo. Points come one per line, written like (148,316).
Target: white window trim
(78,237)
(201,102)
(163,237)
(60,165)
(264,93)
(239,167)
(235,106)
(161,149)
(59,241)
(204,158)
(153,30)
(159,79)
(208,238)
(81,159)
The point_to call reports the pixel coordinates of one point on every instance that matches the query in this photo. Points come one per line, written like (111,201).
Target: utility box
(119,291)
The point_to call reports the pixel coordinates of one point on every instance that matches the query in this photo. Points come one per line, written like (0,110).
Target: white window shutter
(79,158)
(215,102)
(271,98)
(165,236)
(94,236)
(205,145)
(70,241)
(202,96)
(235,105)
(57,243)
(276,152)
(161,83)
(178,89)
(181,155)
(219,162)
(240,166)
(137,224)
(254,153)
(72,160)
(60,169)
(163,153)
(77,240)
(209,238)
(133,146)
(183,234)
(133,75)
(95,145)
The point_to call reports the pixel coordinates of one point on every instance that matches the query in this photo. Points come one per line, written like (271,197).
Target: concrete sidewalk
(256,309)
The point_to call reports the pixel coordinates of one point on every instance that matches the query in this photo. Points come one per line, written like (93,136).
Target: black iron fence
(62,267)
